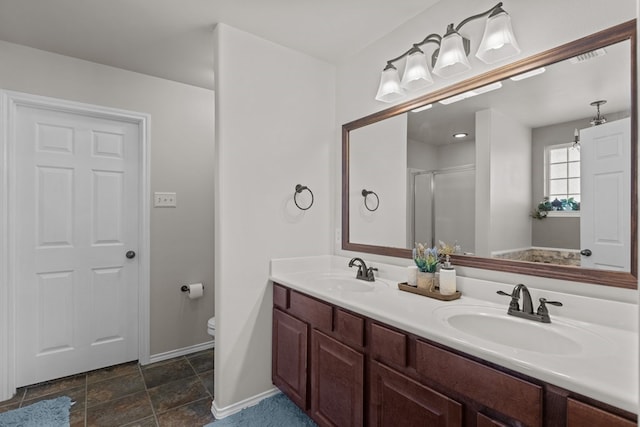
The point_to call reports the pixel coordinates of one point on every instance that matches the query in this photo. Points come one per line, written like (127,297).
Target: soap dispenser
(447,278)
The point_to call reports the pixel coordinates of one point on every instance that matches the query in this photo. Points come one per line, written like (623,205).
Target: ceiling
(172,39)
(561,94)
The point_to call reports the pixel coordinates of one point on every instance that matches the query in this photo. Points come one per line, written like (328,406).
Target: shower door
(444,207)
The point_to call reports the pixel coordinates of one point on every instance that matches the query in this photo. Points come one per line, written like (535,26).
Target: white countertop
(608,372)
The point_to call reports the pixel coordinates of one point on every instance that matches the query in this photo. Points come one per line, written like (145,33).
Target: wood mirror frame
(618,33)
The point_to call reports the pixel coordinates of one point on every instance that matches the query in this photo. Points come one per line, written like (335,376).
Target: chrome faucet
(541,315)
(363,273)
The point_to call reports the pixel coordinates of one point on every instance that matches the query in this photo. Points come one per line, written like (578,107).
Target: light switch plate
(164,200)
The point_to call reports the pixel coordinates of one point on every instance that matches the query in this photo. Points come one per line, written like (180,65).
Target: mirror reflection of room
(477,171)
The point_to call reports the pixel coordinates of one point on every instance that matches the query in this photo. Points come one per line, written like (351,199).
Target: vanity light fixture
(450,56)
(460,135)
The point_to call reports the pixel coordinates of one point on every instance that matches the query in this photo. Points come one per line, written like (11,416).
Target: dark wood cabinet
(397,400)
(581,414)
(485,421)
(344,370)
(289,357)
(337,382)
(517,399)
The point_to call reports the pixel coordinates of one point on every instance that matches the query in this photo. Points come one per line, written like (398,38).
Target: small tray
(404,286)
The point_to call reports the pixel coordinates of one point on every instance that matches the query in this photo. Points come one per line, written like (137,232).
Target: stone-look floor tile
(15,399)
(9,407)
(194,414)
(77,395)
(121,411)
(55,386)
(207,380)
(165,372)
(77,417)
(114,388)
(202,362)
(147,422)
(177,393)
(112,372)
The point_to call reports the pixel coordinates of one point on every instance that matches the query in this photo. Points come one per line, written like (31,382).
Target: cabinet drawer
(581,414)
(280,296)
(507,394)
(388,345)
(349,328)
(484,421)
(397,400)
(318,314)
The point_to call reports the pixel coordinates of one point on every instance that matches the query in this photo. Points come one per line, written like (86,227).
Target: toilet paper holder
(184,288)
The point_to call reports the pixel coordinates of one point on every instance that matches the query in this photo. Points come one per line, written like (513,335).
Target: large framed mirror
(540,180)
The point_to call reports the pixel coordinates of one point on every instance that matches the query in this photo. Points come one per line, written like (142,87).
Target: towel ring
(300,189)
(365,193)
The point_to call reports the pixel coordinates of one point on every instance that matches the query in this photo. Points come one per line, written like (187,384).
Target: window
(562,172)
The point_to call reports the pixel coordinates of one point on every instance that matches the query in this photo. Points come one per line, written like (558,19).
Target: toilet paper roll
(196,290)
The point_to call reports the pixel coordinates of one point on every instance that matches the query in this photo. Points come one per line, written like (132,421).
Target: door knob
(586,252)
(130,254)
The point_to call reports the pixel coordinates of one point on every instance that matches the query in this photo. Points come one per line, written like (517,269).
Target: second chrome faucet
(541,315)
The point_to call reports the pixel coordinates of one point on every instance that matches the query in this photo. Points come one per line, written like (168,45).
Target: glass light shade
(389,89)
(498,41)
(452,59)
(416,74)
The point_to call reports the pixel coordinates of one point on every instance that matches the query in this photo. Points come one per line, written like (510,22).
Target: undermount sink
(496,326)
(343,283)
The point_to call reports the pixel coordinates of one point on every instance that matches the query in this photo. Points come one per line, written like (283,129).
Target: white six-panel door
(605,207)
(77,199)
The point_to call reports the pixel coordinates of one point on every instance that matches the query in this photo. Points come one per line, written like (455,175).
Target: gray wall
(182,135)
(555,232)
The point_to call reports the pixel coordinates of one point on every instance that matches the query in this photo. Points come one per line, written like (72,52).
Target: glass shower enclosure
(442,207)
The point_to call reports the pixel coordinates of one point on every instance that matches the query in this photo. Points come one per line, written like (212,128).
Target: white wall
(182,131)
(379,154)
(275,128)
(539,26)
(503,207)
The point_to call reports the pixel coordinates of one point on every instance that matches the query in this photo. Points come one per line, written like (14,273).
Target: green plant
(426,259)
(546,206)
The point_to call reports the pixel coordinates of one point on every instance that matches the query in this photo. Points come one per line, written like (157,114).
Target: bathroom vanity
(353,354)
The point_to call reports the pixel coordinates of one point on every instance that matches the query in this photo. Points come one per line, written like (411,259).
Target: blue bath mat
(46,413)
(275,411)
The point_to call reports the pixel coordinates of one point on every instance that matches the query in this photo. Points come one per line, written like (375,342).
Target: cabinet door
(580,415)
(397,400)
(337,374)
(289,357)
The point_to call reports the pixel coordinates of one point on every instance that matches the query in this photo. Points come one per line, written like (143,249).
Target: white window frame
(547,150)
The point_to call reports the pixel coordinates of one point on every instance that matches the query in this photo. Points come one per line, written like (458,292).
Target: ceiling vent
(587,56)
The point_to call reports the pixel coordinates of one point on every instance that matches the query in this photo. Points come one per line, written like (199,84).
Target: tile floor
(173,393)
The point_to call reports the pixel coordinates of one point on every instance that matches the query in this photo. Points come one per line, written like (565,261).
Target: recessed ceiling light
(424,107)
(471,93)
(528,74)
(460,135)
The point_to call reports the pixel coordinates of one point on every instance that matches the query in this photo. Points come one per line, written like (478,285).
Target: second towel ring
(365,193)
(300,189)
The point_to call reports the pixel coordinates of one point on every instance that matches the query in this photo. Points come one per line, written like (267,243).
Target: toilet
(211,329)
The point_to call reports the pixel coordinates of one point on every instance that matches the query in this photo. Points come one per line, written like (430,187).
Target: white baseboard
(220,413)
(180,352)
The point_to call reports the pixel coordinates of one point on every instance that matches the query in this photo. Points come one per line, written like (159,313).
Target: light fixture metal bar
(479,15)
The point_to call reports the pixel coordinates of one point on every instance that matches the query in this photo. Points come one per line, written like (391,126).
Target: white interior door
(605,206)
(77,192)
